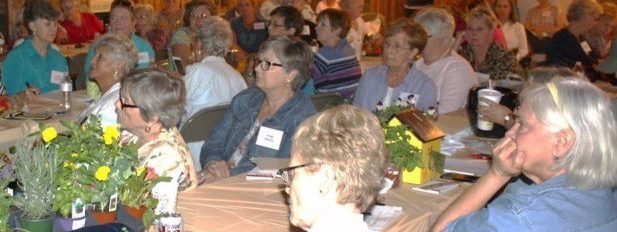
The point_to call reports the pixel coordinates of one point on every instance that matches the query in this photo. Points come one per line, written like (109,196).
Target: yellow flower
(69,164)
(49,134)
(140,170)
(74,155)
(110,134)
(102,173)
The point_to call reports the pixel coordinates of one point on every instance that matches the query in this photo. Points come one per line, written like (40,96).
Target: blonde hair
(483,14)
(351,141)
(580,8)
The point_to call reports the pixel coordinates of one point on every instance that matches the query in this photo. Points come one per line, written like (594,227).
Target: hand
(507,161)
(218,169)
(494,112)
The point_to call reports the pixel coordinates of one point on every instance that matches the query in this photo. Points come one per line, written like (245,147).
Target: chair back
(326,100)
(198,127)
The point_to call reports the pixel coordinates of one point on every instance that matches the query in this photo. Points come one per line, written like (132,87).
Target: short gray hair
(215,36)
(145,8)
(294,55)
(157,93)
(590,164)
(119,48)
(580,8)
(436,21)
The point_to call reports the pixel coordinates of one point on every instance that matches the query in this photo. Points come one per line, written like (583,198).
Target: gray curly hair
(215,36)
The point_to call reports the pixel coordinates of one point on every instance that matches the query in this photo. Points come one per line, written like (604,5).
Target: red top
(84,34)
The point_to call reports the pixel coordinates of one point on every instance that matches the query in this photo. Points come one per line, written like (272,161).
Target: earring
(116,75)
(147,129)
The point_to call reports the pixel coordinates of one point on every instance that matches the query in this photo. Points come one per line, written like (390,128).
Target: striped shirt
(337,69)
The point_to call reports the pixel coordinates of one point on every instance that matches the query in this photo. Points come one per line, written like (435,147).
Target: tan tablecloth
(239,205)
(12,130)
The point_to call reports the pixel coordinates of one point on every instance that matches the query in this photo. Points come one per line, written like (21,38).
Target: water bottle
(66,87)
(2,44)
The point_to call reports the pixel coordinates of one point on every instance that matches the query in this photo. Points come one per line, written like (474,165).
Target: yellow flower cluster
(140,170)
(111,134)
(49,134)
(102,173)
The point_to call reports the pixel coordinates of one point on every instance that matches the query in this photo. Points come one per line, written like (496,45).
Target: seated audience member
(287,21)
(150,106)
(170,18)
(452,74)
(182,43)
(561,154)
(398,79)
(358,29)
(338,160)
(484,55)
(598,37)
(307,12)
(566,47)
(325,4)
(35,65)
(115,57)
(211,81)
(514,32)
(609,66)
(498,35)
(249,29)
(273,109)
(122,22)
(78,27)
(336,68)
(502,115)
(266,8)
(146,27)
(544,19)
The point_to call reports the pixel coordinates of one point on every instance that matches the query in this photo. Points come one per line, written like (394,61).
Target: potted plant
(94,166)
(35,170)
(136,194)
(5,200)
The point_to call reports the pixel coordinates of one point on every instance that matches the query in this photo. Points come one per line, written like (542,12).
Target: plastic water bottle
(66,87)
(2,44)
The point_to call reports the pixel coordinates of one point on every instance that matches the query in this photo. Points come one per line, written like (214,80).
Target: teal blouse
(24,65)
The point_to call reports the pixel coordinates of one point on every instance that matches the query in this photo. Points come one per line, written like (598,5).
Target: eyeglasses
(271,23)
(200,16)
(124,105)
(388,44)
(265,65)
(286,174)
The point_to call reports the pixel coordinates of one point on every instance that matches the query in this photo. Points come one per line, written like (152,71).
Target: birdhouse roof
(423,128)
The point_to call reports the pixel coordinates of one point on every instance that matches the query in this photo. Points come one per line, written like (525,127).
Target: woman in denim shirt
(261,121)
(564,142)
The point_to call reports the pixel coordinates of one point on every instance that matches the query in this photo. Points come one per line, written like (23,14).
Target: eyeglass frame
(124,105)
(200,16)
(271,23)
(269,64)
(388,44)
(283,173)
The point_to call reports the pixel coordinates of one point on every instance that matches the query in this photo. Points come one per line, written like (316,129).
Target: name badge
(546,13)
(143,58)
(586,47)
(306,30)
(259,26)
(270,138)
(57,77)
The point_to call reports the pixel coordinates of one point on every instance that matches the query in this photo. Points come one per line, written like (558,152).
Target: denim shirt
(551,206)
(239,118)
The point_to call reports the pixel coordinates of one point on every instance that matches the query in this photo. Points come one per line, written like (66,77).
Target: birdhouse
(426,136)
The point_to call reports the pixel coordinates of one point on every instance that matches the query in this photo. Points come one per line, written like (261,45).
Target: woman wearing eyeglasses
(560,153)
(146,28)
(183,41)
(397,78)
(150,106)
(338,160)
(260,121)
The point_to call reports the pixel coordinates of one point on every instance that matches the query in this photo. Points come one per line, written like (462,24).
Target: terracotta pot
(37,225)
(136,213)
(105,217)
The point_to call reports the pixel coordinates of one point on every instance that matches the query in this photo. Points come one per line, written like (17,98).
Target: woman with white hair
(561,152)
(452,74)
(211,81)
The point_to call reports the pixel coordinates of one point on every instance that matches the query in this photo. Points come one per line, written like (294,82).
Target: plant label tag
(57,77)
(270,138)
(9,191)
(113,202)
(77,209)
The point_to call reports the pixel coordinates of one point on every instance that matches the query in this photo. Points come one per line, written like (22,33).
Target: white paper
(381,216)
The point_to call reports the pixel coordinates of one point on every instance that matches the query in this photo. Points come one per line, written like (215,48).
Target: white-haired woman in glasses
(563,144)
(261,121)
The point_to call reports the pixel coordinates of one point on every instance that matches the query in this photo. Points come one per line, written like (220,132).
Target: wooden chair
(326,100)
(198,127)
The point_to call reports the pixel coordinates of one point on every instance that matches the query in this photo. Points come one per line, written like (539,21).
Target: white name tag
(270,138)
(306,30)
(57,77)
(143,58)
(586,47)
(259,26)
(546,13)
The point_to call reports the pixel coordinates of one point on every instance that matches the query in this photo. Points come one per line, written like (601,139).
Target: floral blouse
(498,62)
(168,155)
